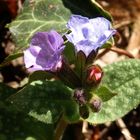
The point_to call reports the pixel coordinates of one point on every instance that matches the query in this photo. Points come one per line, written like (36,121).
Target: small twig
(86,132)
(123,23)
(117,50)
(120,123)
(117,38)
(121,51)
(134,40)
(20,7)
(85,127)
(103,133)
(103,53)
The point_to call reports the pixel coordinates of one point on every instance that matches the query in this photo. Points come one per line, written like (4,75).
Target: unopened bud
(84,111)
(95,104)
(94,74)
(79,96)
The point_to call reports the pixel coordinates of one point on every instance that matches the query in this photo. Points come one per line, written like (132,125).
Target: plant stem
(60,129)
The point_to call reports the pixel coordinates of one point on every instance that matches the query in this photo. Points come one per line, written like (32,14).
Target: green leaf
(69,53)
(104,93)
(109,43)
(18,126)
(80,65)
(15,125)
(6,91)
(88,8)
(122,78)
(40,75)
(46,101)
(91,57)
(44,15)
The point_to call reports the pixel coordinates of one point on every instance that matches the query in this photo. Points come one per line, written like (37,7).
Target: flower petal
(30,56)
(106,36)
(55,39)
(99,25)
(89,34)
(76,20)
(44,52)
(73,24)
(86,46)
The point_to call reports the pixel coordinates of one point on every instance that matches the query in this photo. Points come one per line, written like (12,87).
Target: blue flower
(44,52)
(89,34)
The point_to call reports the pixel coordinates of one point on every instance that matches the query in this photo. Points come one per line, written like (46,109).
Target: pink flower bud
(94,74)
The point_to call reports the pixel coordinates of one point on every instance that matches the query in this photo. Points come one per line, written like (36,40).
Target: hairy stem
(60,129)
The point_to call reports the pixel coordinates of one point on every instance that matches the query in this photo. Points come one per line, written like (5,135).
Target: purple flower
(89,34)
(44,52)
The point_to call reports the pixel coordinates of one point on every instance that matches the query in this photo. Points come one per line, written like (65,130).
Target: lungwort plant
(60,42)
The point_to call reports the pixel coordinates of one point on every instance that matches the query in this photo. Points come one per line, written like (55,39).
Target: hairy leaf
(6,91)
(47,101)
(15,125)
(104,93)
(122,78)
(42,15)
(69,53)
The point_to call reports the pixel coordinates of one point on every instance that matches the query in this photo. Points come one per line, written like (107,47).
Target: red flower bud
(94,74)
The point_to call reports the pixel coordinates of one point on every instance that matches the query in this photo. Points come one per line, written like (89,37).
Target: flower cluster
(87,36)
(45,51)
